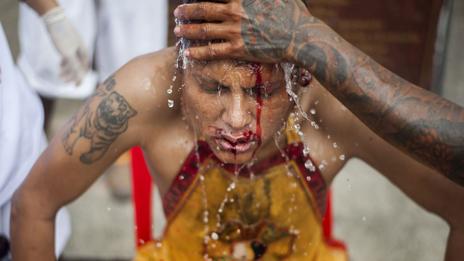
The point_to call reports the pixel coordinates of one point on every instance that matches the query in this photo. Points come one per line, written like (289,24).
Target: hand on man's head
(253,30)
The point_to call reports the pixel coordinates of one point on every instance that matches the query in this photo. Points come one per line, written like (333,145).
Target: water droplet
(342,157)
(214,236)
(314,124)
(321,166)
(312,111)
(169,91)
(308,164)
(297,127)
(335,145)
(308,178)
(170,103)
(306,151)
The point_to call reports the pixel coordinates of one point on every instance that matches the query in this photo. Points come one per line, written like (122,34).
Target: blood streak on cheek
(259,101)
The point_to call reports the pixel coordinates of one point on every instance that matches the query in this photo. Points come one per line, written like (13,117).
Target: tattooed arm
(430,190)
(118,116)
(424,125)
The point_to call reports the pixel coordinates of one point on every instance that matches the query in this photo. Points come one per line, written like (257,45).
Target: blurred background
(374,218)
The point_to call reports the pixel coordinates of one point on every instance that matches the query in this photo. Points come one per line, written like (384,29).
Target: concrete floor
(377,221)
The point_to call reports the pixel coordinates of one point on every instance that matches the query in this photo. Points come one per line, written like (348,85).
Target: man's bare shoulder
(154,65)
(145,81)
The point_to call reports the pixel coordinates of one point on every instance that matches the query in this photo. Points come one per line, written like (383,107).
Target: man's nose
(237,114)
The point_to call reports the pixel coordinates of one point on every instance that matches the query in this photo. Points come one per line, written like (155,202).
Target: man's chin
(233,158)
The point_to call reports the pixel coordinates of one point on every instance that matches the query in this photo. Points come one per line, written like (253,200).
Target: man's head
(236,107)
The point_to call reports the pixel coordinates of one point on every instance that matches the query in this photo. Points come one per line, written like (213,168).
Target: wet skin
(131,109)
(426,126)
(220,103)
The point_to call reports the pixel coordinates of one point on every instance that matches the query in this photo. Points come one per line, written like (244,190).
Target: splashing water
(306,150)
(288,70)
(182,44)
(310,166)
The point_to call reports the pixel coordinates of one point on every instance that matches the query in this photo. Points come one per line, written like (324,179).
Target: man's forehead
(234,65)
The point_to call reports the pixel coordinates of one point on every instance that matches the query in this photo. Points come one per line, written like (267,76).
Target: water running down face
(235,107)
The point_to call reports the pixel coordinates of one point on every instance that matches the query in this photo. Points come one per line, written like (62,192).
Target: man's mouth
(236,144)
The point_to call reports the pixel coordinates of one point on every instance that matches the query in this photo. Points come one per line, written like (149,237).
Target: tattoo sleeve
(103,118)
(426,126)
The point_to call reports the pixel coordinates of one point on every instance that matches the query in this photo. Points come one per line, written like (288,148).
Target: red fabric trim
(185,177)
(313,179)
(141,196)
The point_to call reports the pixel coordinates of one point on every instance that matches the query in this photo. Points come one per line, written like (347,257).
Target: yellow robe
(271,212)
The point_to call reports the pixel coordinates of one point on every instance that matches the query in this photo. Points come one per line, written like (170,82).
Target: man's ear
(302,77)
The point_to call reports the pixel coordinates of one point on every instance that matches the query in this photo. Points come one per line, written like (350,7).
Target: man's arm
(92,139)
(118,116)
(424,185)
(424,125)
(417,121)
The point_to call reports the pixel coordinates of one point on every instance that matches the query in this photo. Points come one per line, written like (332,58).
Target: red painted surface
(259,101)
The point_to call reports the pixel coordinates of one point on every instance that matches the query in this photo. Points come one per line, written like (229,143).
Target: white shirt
(21,139)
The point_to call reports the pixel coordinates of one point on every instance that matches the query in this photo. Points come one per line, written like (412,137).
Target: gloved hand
(75,62)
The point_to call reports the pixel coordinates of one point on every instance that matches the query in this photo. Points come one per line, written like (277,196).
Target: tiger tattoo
(101,126)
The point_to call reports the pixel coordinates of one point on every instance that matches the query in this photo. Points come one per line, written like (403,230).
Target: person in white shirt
(22,140)
(68,47)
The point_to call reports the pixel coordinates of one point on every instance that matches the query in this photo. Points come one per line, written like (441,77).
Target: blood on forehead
(222,68)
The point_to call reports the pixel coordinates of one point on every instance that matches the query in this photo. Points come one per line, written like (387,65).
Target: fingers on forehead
(202,11)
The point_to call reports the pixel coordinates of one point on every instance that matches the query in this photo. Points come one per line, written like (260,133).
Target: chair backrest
(142,188)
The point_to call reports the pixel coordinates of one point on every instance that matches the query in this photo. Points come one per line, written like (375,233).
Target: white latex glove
(75,62)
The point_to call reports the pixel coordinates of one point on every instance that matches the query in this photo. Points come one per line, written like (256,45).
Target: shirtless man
(217,103)
(424,125)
